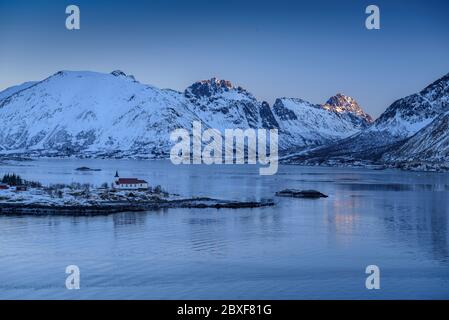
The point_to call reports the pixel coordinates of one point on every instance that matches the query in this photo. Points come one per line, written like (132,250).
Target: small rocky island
(86,169)
(293,193)
(18,196)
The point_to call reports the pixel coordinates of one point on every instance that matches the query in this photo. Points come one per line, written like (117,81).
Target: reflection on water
(425,222)
(393,187)
(300,248)
(128,218)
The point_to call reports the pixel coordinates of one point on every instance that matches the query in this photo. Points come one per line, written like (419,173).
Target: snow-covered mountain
(303,124)
(113,115)
(403,119)
(407,116)
(82,112)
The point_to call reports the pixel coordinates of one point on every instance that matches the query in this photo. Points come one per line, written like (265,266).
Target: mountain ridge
(86,113)
(402,120)
(91,114)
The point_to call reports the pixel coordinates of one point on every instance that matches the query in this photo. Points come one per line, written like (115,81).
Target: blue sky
(309,50)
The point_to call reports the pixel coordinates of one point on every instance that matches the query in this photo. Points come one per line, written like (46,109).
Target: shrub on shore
(16,180)
(12,179)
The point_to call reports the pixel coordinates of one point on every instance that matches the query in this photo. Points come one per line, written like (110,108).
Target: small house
(129,183)
(4,186)
(21,188)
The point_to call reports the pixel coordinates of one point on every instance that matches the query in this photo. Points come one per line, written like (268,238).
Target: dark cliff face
(282,112)
(268,119)
(221,98)
(209,88)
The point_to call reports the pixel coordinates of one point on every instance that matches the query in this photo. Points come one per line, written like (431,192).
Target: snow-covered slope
(430,144)
(80,112)
(400,121)
(12,90)
(407,116)
(303,124)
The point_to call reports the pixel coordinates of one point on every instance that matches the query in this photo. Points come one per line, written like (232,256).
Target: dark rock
(282,112)
(86,169)
(293,193)
(126,206)
(268,119)
(208,88)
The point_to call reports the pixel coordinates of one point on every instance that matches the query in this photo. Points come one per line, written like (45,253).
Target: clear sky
(311,49)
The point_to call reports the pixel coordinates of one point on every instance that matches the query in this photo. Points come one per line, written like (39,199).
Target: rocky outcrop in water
(293,193)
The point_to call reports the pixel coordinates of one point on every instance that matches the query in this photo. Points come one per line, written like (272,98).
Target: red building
(129,183)
(4,186)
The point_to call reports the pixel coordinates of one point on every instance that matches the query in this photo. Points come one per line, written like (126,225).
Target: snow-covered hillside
(303,124)
(394,127)
(113,115)
(430,144)
(407,116)
(12,90)
(74,113)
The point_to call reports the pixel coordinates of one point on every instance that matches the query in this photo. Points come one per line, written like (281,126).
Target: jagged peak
(120,73)
(220,83)
(210,87)
(341,103)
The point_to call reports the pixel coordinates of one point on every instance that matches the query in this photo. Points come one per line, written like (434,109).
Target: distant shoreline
(403,166)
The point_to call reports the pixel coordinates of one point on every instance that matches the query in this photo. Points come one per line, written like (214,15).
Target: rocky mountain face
(113,115)
(347,107)
(407,116)
(221,105)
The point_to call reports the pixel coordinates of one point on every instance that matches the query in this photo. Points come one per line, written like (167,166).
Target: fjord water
(300,248)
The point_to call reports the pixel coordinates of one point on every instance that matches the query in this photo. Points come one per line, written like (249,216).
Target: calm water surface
(298,249)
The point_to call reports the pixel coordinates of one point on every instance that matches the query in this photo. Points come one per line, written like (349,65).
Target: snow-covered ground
(66,196)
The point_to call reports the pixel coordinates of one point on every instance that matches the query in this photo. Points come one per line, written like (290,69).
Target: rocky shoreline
(117,207)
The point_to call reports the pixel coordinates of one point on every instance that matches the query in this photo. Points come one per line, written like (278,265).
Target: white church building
(129,183)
